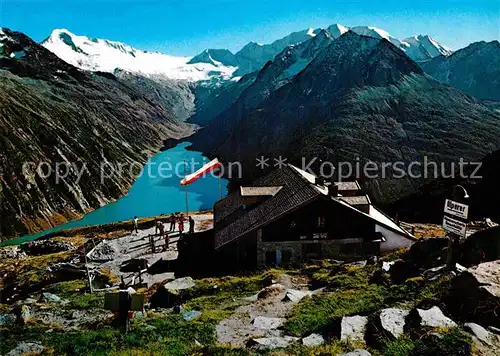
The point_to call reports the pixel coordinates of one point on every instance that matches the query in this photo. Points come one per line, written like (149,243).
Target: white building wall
(393,240)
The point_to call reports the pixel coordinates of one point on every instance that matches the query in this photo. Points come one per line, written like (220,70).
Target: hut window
(321,222)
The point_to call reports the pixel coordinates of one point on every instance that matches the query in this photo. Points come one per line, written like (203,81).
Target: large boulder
(172,293)
(313,340)
(45,247)
(485,342)
(435,318)
(263,322)
(294,295)
(474,295)
(12,252)
(427,253)
(6,319)
(419,321)
(385,325)
(480,333)
(272,342)
(103,252)
(50,298)
(401,270)
(357,352)
(164,298)
(392,320)
(272,291)
(482,246)
(180,284)
(353,328)
(24,348)
(423,254)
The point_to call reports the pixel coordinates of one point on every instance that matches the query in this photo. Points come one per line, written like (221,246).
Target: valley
(157,203)
(352,103)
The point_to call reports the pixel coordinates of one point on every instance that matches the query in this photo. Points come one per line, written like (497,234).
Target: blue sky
(185,27)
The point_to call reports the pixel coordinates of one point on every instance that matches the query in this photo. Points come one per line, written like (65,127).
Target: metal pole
(86,265)
(185,187)
(220,187)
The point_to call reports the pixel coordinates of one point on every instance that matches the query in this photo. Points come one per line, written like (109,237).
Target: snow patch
(104,55)
(310,32)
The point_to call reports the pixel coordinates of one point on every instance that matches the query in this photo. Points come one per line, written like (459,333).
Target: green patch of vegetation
(349,291)
(68,288)
(400,347)
(332,347)
(453,342)
(86,301)
(219,296)
(316,312)
(5,308)
(394,255)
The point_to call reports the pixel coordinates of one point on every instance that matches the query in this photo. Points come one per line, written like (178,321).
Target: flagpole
(186,191)
(220,186)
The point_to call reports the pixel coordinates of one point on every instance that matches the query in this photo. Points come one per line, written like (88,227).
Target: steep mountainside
(176,96)
(254,55)
(212,101)
(360,97)
(255,87)
(474,69)
(283,68)
(53,113)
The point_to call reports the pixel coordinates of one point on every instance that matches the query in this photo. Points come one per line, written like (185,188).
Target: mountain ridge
(209,65)
(359,97)
(474,69)
(52,112)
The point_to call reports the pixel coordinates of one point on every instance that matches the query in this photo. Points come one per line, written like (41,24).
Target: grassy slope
(347,292)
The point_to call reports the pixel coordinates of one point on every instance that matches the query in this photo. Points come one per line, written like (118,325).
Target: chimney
(333,190)
(319,181)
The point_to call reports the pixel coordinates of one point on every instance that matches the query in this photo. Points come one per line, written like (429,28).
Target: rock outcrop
(353,328)
(44,247)
(313,340)
(57,118)
(475,295)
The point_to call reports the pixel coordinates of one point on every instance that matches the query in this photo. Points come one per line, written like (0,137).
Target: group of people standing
(173,219)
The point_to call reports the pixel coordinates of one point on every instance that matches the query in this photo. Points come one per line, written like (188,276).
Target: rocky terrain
(53,113)
(403,304)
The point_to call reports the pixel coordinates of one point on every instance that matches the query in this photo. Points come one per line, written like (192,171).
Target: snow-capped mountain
(106,56)
(418,48)
(253,56)
(425,47)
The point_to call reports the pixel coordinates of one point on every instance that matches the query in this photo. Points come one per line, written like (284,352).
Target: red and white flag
(209,167)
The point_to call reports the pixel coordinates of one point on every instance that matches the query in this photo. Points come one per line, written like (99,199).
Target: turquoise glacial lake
(156,191)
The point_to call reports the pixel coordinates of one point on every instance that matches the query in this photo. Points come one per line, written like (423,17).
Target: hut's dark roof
(347,186)
(295,191)
(356,200)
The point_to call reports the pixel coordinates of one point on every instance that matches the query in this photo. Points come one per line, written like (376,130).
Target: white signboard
(456,209)
(455,226)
